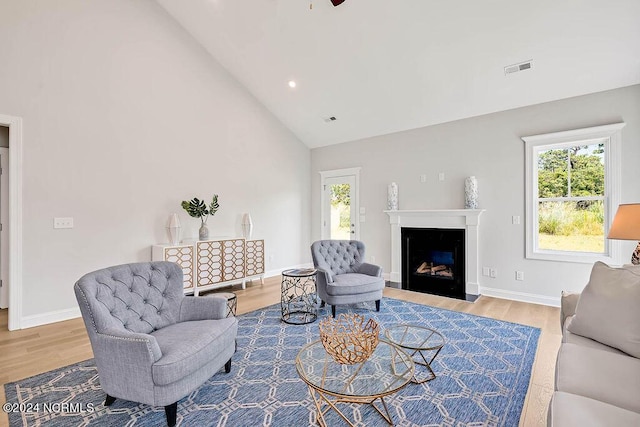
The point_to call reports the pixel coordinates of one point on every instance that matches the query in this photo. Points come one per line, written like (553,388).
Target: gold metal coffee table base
(323,399)
(387,370)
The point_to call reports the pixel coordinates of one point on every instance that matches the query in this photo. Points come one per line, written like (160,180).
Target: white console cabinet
(211,264)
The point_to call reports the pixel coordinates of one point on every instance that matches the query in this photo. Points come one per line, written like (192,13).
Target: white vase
(471,193)
(203,232)
(247,226)
(173,229)
(392,197)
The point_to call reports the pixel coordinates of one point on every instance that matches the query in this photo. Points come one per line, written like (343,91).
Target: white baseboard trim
(49,317)
(278,272)
(520,296)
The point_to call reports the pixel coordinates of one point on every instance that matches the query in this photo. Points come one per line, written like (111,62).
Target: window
(572,192)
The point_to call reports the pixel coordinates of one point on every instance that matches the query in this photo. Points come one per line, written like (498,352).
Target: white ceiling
(382,66)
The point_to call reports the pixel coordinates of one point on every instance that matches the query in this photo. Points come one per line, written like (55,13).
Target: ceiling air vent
(330,119)
(510,69)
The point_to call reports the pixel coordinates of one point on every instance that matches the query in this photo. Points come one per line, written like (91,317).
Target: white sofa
(598,384)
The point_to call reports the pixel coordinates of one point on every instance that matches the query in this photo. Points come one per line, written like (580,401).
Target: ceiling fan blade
(337,2)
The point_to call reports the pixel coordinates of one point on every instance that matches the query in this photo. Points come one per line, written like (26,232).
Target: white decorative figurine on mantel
(471,193)
(392,197)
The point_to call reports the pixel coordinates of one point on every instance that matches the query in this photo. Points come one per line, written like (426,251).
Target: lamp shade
(626,223)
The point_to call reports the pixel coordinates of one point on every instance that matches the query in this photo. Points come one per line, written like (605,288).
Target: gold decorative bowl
(348,339)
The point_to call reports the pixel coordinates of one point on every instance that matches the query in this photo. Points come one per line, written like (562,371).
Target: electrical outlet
(363,218)
(63,222)
(493,272)
(485,271)
(515,220)
(423,178)
(441,176)
(519,275)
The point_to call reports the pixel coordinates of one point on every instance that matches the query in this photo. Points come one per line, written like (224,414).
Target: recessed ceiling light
(292,84)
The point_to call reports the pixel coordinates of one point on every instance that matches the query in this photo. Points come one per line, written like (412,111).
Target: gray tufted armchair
(343,276)
(152,344)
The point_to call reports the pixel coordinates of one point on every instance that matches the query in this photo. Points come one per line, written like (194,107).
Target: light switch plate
(63,222)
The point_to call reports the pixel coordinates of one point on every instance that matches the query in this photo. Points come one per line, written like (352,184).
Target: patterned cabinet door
(255,257)
(183,256)
(233,259)
(209,262)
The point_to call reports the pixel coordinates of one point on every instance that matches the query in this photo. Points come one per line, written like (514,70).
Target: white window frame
(611,136)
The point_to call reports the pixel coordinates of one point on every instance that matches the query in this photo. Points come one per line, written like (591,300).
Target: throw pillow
(608,310)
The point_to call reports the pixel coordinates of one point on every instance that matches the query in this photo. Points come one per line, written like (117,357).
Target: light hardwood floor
(32,351)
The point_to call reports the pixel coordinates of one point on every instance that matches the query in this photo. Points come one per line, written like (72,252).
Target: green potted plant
(199,209)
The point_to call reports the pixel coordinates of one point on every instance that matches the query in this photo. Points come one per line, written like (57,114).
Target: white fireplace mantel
(467,219)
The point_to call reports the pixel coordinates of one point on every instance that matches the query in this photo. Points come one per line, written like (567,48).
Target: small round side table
(298,296)
(232,302)
(418,340)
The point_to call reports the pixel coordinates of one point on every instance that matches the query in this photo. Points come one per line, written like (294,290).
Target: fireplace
(466,221)
(433,261)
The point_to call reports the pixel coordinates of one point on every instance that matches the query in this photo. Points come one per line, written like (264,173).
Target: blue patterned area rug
(483,375)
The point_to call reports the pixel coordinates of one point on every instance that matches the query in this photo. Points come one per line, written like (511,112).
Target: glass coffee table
(387,370)
(424,341)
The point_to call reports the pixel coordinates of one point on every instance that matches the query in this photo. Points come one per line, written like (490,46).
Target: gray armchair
(152,344)
(343,276)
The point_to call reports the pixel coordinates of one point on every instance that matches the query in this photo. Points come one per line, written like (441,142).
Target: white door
(339,208)
(4,227)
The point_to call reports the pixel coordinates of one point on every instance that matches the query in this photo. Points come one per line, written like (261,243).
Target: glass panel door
(339,210)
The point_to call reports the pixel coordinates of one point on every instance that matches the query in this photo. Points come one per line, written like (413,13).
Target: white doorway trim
(4,219)
(15,219)
(333,174)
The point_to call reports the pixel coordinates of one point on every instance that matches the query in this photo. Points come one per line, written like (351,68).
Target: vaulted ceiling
(382,66)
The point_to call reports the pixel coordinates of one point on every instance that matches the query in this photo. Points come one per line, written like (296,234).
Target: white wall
(124,116)
(490,148)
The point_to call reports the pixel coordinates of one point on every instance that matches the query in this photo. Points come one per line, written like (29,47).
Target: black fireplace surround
(433,261)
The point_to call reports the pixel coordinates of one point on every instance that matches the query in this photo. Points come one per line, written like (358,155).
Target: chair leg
(171,411)
(227,366)
(377,305)
(333,311)
(321,304)
(108,401)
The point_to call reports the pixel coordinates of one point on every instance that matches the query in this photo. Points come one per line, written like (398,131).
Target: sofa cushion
(354,283)
(608,310)
(601,375)
(571,410)
(187,346)
(569,337)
